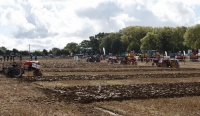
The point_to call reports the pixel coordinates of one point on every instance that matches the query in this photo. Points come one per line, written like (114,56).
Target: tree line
(137,38)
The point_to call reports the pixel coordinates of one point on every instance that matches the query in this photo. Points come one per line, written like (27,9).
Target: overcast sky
(45,24)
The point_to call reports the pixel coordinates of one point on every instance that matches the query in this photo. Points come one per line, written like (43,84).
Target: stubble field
(69,88)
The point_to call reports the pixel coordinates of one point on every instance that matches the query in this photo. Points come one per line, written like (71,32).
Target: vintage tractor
(165,62)
(129,59)
(33,66)
(180,56)
(92,58)
(194,55)
(112,59)
(17,69)
(147,54)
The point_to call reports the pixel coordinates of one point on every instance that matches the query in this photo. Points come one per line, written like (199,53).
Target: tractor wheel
(37,73)
(111,62)
(132,63)
(174,64)
(135,63)
(164,65)
(128,62)
(17,72)
(152,64)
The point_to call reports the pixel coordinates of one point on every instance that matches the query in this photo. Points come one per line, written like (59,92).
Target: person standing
(31,57)
(20,58)
(4,57)
(7,57)
(35,57)
(147,60)
(10,58)
(13,57)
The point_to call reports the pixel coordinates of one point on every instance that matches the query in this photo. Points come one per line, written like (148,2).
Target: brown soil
(70,88)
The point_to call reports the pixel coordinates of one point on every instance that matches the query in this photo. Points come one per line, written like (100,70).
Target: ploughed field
(100,88)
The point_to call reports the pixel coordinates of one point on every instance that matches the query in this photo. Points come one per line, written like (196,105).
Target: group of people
(31,57)
(12,57)
(9,57)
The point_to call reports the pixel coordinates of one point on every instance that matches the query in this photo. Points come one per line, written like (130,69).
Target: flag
(104,51)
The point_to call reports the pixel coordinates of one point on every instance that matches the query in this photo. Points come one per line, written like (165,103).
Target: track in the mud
(87,94)
(120,70)
(123,92)
(109,77)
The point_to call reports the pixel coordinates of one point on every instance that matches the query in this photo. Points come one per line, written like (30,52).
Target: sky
(45,24)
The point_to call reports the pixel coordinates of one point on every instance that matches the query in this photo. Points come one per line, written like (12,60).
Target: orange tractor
(17,70)
(129,59)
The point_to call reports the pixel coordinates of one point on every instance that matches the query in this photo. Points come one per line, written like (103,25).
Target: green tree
(149,42)
(15,51)
(24,53)
(106,43)
(85,46)
(192,37)
(72,48)
(165,41)
(94,45)
(56,51)
(132,35)
(1,52)
(45,52)
(177,39)
(64,52)
(3,49)
(37,52)
(112,43)
(8,52)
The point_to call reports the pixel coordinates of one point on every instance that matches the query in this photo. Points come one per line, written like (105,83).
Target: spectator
(1,58)
(101,57)
(7,57)
(31,57)
(13,57)
(20,57)
(35,57)
(147,60)
(10,58)
(4,57)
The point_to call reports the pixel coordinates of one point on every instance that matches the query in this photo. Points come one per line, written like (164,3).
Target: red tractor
(180,56)
(193,55)
(165,62)
(33,66)
(112,59)
(17,69)
(129,59)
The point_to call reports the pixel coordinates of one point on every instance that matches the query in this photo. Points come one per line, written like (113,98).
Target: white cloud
(122,18)
(54,23)
(174,11)
(7,2)
(15,18)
